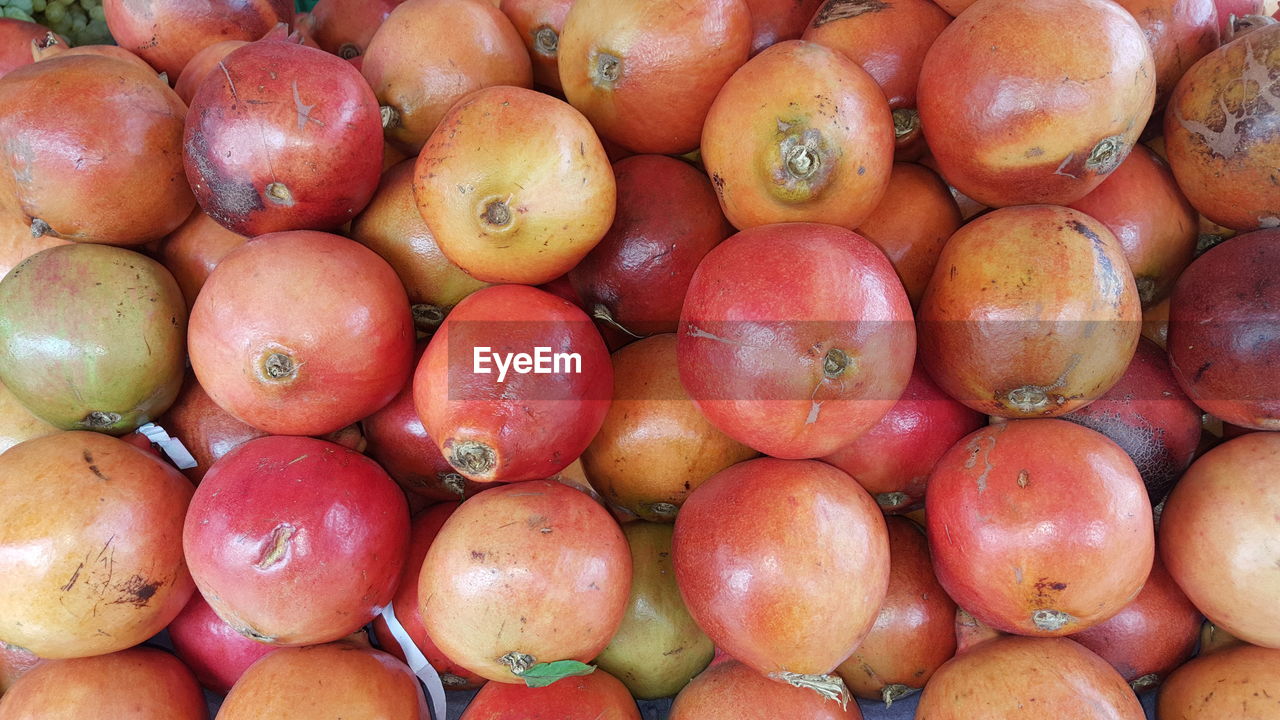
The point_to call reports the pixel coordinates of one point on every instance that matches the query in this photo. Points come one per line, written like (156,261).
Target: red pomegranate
(522,575)
(1016,551)
(1240,682)
(295,541)
(598,696)
(14,663)
(757,584)
(345,27)
(301,333)
(16,37)
(52,45)
(193,250)
(201,65)
(539,23)
(798,361)
(730,690)
(1180,32)
(283,137)
(215,652)
(773,21)
(168,33)
(893,459)
(514,384)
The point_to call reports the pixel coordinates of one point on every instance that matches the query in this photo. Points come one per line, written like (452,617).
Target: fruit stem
(897,691)
(518,662)
(601,313)
(831,687)
(473,458)
(905,122)
(390,117)
(546,41)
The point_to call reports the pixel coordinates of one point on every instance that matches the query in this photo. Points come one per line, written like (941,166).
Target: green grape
(23,6)
(54,14)
(37,5)
(15,14)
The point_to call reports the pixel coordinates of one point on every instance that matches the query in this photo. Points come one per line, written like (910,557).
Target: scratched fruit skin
(795,374)
(1222,132)
(1036,101)
(139,684)
(1032,311)
(1239,683)
(168,33)
(103,573)
(730,690)
(1011,678)
(215,652)
(283,137)
(201,66)
(296,541)
(528,573)
(598,696)
(1039,527)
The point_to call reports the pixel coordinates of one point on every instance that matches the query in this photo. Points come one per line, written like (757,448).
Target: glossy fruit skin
(473,46)
(804,607)
(539,23)
(17,424)
(14,663)
(645,72)
(730,690)
(1180,32)
(541,551)
(829,362)
(295,541)
(998,679)
(1149,416)
(1238,8)
(215,652)
(423,530)
(201,65)
(1031,312)
(345,27)
(1001,150)
(1151,636)
(655,446)
(59,155)
(1141,205)
(192,251)
(1223,146)
(491,186)
(1224,331)
(598,696)
(92,337)
(889,41)
(16,37)
(168,33)
(911,224)
(340,679)
(301,333)
(914,632)
(1240,682)
(110,572)
(140,684)
(773,21)
(286,137)
(16,243)
(392,227)
(1020,555)
(893,459)
(667,220)
(47,47)
(799,134)
(1217,536)
(526,426)
(658,648)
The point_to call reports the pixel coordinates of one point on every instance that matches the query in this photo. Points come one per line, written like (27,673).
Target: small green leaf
(543,674)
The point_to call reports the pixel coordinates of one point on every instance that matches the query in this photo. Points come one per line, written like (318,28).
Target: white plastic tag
(417,663)
(170,446)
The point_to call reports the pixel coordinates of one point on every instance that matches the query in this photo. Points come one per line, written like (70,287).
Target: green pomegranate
(92,337)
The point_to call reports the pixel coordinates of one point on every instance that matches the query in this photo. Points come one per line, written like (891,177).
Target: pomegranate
(59,154)
(667,220)
(971,631)
(799,134)
(392,227)
(1149,417)
(109,573)
(730,690)
(301,333)
(528,418)
(17,424)
(773,21)
(91,337)
(539,23)
(14,663)
(202,64)
(1155,323)
(1001,678)
(16,37)
(1217,536)
(1151,636)
(1230,9)
(193,250)
(1031,311)
(914,633)
(1224,331)
(756,583)
(139,684)
(522,576)
(51,45)
(1020,554)
(491,186)
(893,459)
(598,696)
(345,27)
(1241,682)
(341,679)
(658,648)
(16,243)
(654,447)
(645,72)
(215,652)
(295,541)
(168,33)
(1180,32)
(1035,102)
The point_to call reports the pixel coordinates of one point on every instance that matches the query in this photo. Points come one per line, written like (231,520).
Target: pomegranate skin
(140,683)
(168,33)
(16,37)
(193,250)
(730,690)
(598,696)
(215,652)
(1236,683)
(540,23)
(773,21)
(284,137)
(201,65)
(345,27)
(1180,32)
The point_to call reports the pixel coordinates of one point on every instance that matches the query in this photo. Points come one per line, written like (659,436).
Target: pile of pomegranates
(608,359)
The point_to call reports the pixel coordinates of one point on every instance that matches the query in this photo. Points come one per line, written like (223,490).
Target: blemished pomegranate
(730,690)
(539,23)
(168,33)
(597,696)
(1239,682)
(16,37)
(215,652)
